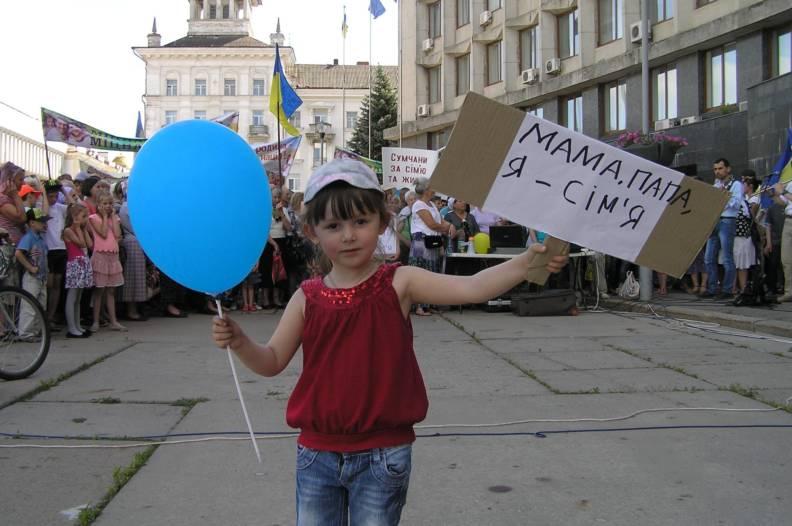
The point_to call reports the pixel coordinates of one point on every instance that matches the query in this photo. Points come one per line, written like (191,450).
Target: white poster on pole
(401,166)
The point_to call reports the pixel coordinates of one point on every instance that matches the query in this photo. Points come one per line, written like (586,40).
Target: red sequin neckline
(352,295)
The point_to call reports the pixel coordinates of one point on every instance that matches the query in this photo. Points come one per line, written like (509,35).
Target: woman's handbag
(433,241)
(278,269)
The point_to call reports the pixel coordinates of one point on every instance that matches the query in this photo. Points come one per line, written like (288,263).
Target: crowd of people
(62,237)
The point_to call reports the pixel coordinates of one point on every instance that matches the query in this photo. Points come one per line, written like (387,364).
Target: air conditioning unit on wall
(428,44)
(552,66)
(530,76)
(423,110)
(485,18)
(665,124)
(689,120)
(636,34)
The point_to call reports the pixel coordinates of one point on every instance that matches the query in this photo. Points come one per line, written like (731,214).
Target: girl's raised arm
(416,285)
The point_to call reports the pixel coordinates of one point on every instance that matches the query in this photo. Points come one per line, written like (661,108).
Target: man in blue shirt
(31,253)
(722,238)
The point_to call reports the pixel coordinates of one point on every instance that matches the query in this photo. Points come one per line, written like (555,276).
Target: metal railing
(28,153)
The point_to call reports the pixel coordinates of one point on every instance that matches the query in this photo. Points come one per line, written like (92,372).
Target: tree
(383,111)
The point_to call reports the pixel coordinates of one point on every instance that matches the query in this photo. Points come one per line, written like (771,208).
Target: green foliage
(383,110)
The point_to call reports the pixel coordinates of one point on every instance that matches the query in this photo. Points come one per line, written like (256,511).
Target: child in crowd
(56,249)
(31,253)
(360,391)
(29,196)
(249,289)
(79,274)
(107,270)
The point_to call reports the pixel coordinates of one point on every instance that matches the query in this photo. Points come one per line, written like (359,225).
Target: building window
(258,118)
(494,62)
(701,3)
(317,154)
(212,12)
(664,88)
(258,87)
(436,140)
(568,35)
(170,117)
(319,115)
(463,74)
(351,119)
(536,111)
(228,112)
(492,5)
(200,87)
(572,112)
(611,20)
(294,120)
(781,50)
(434,84)
(662,10)
(229,87)
(171,87)
(528,49)
(615,106)
(200,115)
(721,64)
(435,20)
(463,12)
(294,184)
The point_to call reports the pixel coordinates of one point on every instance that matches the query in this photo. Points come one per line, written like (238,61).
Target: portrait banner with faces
(59,128)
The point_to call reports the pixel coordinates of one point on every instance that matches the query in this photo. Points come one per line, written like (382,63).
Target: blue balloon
(200,204)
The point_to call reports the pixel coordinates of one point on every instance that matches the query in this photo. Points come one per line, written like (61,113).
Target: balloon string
(239,390)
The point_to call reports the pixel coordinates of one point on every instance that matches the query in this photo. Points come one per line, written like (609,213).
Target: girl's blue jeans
(366,488)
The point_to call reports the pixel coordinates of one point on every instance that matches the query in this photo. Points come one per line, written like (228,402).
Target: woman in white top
(426,223)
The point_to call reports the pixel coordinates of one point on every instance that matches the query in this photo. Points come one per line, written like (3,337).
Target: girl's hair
(8,172)
(71,212)
(296,200)
(104,194)
(345,202)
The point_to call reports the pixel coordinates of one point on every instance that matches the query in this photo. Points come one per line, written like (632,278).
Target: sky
(75,56)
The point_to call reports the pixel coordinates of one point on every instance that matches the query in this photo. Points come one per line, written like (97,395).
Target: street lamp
(321,129)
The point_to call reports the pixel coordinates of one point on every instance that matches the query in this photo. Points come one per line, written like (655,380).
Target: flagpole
(371,16)
(343,82)
(278,123)
(46,153)
(401,91)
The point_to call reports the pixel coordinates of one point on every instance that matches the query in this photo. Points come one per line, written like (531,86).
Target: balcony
(320,131)
(259,131)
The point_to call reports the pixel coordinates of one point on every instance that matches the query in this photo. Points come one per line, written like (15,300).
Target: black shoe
(706,295)
(725,296)
(86,334)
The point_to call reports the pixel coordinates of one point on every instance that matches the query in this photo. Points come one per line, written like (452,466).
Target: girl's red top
(360,386)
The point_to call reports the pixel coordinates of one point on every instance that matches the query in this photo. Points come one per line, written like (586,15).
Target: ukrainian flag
(782,171)
(283,99)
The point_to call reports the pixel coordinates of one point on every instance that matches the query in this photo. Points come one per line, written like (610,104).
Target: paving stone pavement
(165,378)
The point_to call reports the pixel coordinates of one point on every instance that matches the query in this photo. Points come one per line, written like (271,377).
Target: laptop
(508,239)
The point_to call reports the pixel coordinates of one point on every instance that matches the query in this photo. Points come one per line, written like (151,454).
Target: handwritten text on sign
(401,166)
(584,190)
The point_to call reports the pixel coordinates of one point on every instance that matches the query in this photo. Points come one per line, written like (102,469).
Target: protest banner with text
(401,166)
(544,176)
(268,153)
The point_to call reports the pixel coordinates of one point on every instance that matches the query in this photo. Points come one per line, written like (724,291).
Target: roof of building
(335,75)
(217,41)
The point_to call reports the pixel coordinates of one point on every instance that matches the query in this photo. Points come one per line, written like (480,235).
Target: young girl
(360,390)
(107,270)
(79,275)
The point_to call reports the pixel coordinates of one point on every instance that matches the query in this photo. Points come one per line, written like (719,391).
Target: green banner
(59,128)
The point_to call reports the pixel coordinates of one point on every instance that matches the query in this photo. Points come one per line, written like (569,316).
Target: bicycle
(24,334)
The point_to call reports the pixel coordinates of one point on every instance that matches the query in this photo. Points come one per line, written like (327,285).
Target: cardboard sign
(401,166)
(547,177)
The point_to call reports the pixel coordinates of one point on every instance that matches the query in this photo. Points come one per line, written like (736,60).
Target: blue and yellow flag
(344,26)
(283,99)
(376,8)
(782,171)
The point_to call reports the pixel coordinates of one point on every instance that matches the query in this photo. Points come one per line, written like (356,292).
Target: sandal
(420,312)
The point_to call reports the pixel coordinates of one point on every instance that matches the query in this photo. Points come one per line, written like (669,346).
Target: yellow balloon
(481,243)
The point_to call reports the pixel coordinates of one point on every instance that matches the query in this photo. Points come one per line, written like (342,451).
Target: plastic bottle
(470,248)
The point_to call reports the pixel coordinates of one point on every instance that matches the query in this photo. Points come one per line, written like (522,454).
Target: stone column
(219,8)
(245,13)
(205,10)
(232,10)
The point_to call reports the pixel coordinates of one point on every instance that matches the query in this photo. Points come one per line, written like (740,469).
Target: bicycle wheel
(24,334)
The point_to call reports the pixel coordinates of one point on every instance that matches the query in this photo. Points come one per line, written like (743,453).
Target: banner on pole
(59,128)
(544,176)
(268,153)
(401,166)
(340,153)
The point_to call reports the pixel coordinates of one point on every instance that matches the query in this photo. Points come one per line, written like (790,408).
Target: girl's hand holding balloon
(227,333)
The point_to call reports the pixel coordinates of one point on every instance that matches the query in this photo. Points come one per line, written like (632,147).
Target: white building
(219,68)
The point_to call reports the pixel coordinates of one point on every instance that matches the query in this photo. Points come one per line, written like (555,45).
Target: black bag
(545,303)
(295,251)
(433,241)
